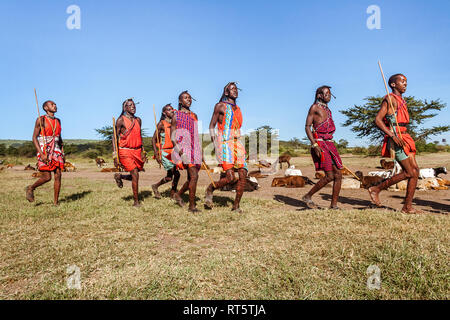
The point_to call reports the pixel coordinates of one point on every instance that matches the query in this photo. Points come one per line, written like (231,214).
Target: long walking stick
(114,141)
(351,172)
(159,155)
(40,123)
(389,99)
(209,174)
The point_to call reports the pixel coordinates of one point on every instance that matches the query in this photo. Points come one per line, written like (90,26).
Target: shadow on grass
(142,195)
(290,201)
(364,204)
(76,196)
(438,207)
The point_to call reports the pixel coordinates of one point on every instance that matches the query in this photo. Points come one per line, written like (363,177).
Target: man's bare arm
(309,123)
(379,120)
(36,132)
(214,119)
(173,138)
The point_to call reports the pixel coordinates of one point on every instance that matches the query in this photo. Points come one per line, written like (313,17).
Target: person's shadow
(291,202)
(141,196)
(76,196)
(363,204)
(184,197)
(438,207)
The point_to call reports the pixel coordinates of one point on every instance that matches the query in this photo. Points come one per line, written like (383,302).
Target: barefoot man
(324,153)
(230,151)
(131,156)
(164,155)
(400,140)
(187,152)
(49,147)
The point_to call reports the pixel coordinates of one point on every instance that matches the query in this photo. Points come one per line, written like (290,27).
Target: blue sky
(279,52)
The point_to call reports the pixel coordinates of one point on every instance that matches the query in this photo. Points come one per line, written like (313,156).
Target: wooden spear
(40,122)
(389,99)
(114,141)
(159,155)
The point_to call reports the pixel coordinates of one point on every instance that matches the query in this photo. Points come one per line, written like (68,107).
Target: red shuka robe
(130,146)
(50,136)
(402,119)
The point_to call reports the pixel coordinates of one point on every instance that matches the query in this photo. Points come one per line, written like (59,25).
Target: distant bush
(359,150)
(374,151)
(422,146)
(92,154)
(27,150)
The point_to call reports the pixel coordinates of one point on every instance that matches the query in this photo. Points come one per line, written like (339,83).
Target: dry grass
(162,252)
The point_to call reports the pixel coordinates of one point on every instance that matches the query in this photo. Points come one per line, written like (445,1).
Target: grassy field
(160,251)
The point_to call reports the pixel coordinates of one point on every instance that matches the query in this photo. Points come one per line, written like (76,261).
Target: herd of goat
(293,178)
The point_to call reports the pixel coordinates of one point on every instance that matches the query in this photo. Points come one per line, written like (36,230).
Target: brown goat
(284,158)
(100,162)
(257,174)
(368,181)
(291,182)
(320,175)
(387,165)
(37,174)
(68,167)
(29,168)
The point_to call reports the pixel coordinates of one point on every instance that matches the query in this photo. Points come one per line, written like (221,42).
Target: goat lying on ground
(291,182)
(387,165)
(257,174)
(29,168)
(432,172)
(69,167)
(368,181)
(250,185)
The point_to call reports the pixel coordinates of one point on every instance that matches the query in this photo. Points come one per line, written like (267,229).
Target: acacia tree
(361,119)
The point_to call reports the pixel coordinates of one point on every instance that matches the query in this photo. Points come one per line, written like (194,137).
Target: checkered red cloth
(188,139)
(330,156)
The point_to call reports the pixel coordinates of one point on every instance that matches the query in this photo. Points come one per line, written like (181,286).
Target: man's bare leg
(184,188)
(408,172)
(119,177)
(336,187)
(135,186)
(193,179)
(329,176)
(229,178)
(176,179)
(47,176)
(155,186)
(57,186)
(240,189)
(411,189)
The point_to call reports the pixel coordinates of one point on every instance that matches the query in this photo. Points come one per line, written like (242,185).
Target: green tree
(106,133)
(2,150)
(361,119)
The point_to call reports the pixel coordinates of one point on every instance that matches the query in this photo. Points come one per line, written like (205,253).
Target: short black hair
(163,110)
(393,78)
(179,98)
(319,91)
(45,103)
